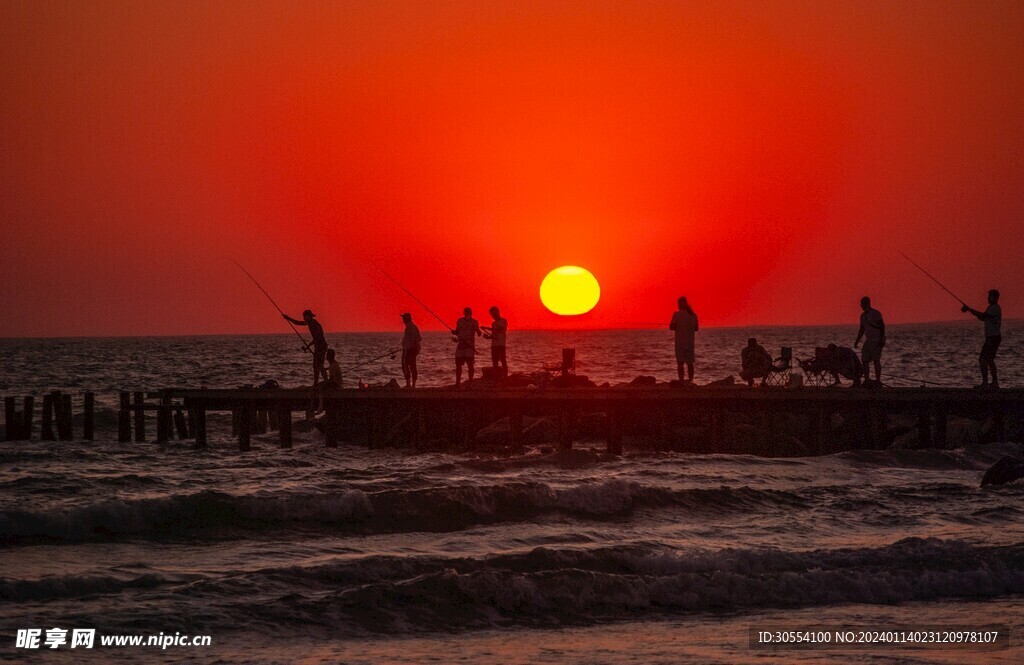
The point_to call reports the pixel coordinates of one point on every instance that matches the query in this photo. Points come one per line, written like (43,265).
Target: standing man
(411,342)
(684,323)
(466,331)
(993,318)
(497,333)
(319,343)
(872,329)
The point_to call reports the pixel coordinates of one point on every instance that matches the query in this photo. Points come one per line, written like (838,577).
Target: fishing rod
(389,353)
(421,303)
(958,298)
(305,345)
(912,380)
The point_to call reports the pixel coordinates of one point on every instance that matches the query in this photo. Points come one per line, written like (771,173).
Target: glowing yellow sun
(570,290)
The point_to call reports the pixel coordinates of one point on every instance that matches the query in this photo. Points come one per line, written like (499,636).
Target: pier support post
(199,426)
(124,419)
(261,421)
(180,424)
(10,419)
(284,425)
(140,417)
(27,416)
(244,429)
(273,418)
(88,416)
(163,419)
(46,425)
(63,407)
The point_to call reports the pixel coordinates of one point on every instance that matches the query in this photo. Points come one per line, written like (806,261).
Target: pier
(703,419)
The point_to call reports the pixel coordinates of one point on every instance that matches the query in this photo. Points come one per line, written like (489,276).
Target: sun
(570,290)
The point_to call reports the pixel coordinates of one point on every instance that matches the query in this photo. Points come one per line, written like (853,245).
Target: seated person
(837,361)
(333,382)
(756,362)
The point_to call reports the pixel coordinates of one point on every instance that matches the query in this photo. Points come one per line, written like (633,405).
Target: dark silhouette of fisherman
(684,323)
(993,319)
(496,332)
(319,343)
(872,329)
(411,342)
(755,360)
(467,329)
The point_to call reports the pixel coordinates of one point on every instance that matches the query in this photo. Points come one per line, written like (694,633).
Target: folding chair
(818,371)
(567,366)
(778,374)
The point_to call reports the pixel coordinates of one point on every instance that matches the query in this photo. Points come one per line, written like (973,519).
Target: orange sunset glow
(767,160)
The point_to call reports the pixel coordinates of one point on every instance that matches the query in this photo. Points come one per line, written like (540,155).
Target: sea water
(355,555)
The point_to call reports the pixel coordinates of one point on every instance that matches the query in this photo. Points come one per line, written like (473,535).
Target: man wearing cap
(319,342)
(411,341)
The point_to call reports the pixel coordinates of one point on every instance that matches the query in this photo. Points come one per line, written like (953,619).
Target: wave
(550,587)
(430,509)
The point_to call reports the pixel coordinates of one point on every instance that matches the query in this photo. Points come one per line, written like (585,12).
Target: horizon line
(754,326)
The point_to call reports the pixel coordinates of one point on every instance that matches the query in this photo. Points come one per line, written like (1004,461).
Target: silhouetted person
(872,329)
(756,362)
(411,342)
(319,343)
(684,323)
(496,332)
(466,331)
(843,361)
(993,318)
(333,380)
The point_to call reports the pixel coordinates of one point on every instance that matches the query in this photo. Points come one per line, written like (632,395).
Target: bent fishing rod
(305,345)
(943,286)
(411,295)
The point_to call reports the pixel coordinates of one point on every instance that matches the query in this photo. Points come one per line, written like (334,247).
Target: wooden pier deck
(385,416)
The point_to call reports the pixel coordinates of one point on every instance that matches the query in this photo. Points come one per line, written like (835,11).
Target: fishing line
(958,298)
(305,345)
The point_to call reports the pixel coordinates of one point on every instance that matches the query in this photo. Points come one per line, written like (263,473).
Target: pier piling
(88,415)
(124,418)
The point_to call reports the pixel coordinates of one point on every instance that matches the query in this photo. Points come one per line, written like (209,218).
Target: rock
(541,430)
(727,381)
(495,434)
(644,381)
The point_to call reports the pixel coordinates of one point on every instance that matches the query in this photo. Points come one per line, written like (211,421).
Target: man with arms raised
(993,319)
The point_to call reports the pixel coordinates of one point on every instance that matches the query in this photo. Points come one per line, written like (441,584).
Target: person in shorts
(467,329)
(872,330)
(411,343)
(993,319)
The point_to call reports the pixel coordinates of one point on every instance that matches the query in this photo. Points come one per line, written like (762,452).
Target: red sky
(765,159)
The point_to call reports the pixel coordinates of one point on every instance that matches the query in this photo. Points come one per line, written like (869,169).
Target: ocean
(370,556)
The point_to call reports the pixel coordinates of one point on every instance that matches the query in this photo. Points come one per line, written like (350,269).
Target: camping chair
(567,366)
(818,371)
(778,373)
